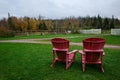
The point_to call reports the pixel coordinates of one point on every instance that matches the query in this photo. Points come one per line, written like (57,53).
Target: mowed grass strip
(20,61)
(110,39)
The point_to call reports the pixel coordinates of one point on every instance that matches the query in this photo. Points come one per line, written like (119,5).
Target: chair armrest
(81,52)
(103,54)
(73,52)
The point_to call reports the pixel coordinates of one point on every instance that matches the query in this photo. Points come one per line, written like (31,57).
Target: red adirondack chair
(61,48)
(93,52)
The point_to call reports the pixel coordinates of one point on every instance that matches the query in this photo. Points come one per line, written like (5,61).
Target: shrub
(4,32)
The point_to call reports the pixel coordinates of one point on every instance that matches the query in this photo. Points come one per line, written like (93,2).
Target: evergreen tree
(99,21)
(106,24)
(94,22)
(112,24)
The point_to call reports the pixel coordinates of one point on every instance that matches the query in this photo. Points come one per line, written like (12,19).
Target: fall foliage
(73,24)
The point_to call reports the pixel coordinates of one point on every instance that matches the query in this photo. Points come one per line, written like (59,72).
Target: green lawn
(110,39)
(20,61)
(42,36)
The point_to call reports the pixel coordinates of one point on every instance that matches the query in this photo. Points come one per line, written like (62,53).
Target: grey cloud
(59,8)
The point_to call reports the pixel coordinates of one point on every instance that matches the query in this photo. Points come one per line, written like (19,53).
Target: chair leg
(75,55)
(68,65)
(73,59)
(83,67)
(52,65)
(102,69)
(53,59)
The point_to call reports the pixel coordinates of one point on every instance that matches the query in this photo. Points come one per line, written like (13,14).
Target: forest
(26,24)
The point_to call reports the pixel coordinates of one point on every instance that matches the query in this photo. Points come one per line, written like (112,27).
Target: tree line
(24,24)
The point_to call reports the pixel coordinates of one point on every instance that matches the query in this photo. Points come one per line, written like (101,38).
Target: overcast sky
(59,8)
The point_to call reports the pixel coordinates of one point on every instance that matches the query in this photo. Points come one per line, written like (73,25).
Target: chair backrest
(93,43)
(60,43)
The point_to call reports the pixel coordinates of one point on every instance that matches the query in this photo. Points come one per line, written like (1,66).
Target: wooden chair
(93,52)
(61,49)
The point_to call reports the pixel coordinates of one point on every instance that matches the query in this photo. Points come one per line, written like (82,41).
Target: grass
(22,61)
(41,36)
(110,39)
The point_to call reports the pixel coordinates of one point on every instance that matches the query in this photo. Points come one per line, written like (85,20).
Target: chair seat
(56,49)
(87,50)
(95,62)
(70,57)
(91,62)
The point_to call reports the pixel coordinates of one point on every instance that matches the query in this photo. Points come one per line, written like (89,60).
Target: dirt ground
(41,41)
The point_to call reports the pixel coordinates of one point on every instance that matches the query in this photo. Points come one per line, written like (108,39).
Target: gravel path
(40,41)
